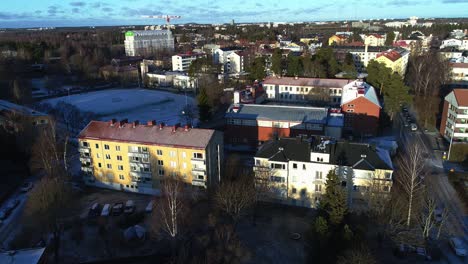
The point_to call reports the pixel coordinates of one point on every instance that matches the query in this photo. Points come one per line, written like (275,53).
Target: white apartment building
(172,80)
(294,89)
(454,121)
(143,42)
(181,62)
(374,39)
(234,63)
(297,169)
(459,71)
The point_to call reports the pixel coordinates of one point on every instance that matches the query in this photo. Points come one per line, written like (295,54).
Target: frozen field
(133,104)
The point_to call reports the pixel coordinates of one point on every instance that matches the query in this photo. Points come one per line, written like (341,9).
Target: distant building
(136,157)
(374,39)
(459,71)
(251,125)
(298,169)
(231,59)
(395,59)
(181,62)
(454,122)
(144,42)
(361,54)
(361,106)
(171,80)
(337,40)
(295,89)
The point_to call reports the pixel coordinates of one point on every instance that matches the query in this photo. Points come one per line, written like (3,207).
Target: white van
(105,210)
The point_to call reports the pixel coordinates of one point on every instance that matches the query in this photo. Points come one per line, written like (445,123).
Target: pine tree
(276,62)
(204,107)
(333,202)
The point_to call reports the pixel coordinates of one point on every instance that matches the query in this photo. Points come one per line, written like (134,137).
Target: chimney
(174,128)
(112,122)
(135,123)
(186,128)
(151,123)
(161,125)
(296,77)
(123,122)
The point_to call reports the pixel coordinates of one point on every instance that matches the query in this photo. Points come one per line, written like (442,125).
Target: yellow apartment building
(397,60)
(135,157)
(337,40)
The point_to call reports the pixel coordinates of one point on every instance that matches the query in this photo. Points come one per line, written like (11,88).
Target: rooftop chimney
(174,128)
(112,122)
(161,125)
(186,128)
(123,122)
(151,123)
(135,123)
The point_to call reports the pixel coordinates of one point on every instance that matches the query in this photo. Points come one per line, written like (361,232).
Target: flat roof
(314,115)
(315,82)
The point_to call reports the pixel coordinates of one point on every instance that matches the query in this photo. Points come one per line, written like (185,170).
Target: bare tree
(427,214)
(410,175)
(234,197)
(47,152)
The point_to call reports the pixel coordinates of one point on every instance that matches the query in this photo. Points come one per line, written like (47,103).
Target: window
(294,165)
(108,156)
(117,148)
(343,184)
(161,172)
(84,144)
(173,164)
(159,152)
(257,162)
(146,169)
(355,188)
(99,165)
(277,166)
(120,167)
(173,174)
(201,177)
(144,149)
(184,155)
(318,175)
(294,178)
(97,146)
(135,159)
(98,156)
(303,166)
(388,175)
(119,157)
(318,187)
(184,165)
(121,177)
(172,153)
(145,160)
(350,110)
(160,162)
(106,147)
(134,168)
(303,192)
(109,166)
(277,179)
(386,188)
(198,155)
(293,190)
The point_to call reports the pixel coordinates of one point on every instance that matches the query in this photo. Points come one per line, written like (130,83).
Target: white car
(457,246)
(105,210)
(414,127)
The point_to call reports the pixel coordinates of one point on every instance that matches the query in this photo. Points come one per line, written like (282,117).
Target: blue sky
(42,13)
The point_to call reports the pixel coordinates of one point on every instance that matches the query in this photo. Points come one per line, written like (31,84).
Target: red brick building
(361,106)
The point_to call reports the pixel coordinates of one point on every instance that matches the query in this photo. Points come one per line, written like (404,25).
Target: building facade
(395,59)
(459,71)
(374,39)
(181,62)
(361,108)
(250,125)
(298,168)
(454,122)
(294,89)
(137,157)
(144,42)
(172,80)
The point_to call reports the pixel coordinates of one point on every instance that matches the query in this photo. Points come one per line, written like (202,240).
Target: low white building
(172,80)
(459,71)
(297,169)
(181,62)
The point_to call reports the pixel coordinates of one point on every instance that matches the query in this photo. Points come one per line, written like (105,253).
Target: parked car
(94,210)
(129,207)
(149,207)
(414,127)
(457,246)
(105,210)
(117,208)
(26,187)
(4,214)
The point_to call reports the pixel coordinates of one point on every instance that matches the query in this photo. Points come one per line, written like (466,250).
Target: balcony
(201,183)
(87,169)
(84,150)
(198,163)
(84,160)
(138,155)
(140,174)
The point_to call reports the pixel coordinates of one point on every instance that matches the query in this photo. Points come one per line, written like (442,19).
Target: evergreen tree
(294,65)
(276,62)
(204,107)
(333,202)
(257,69)
(390,38)
(395,95)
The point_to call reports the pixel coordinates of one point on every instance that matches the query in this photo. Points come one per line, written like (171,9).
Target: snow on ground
(133,104)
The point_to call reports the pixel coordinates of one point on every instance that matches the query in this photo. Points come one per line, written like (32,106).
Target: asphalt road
(445,194)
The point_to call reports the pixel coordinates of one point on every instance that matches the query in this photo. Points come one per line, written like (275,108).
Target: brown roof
(459,65)
(392,55)
(147,134)
(462,96)
(316,82)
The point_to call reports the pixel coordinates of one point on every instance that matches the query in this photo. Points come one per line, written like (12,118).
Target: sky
(58,13)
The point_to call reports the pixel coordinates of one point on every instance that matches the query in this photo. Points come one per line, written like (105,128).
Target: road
(439,184)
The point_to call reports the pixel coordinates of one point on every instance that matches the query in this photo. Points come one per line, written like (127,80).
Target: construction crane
(165,17)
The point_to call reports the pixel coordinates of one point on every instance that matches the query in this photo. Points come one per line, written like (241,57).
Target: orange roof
(392,55)
(462,96)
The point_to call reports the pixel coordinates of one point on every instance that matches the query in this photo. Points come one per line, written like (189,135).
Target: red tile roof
(392,55)
(147,134)
(316,82)
(462,96)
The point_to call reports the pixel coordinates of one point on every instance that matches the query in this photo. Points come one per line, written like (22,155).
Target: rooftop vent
(186,128)
(112,122)
(123,122)
(161,125)
(151,123)
(135,123)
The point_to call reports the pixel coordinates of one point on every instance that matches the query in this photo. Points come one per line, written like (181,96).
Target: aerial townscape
(211,132)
